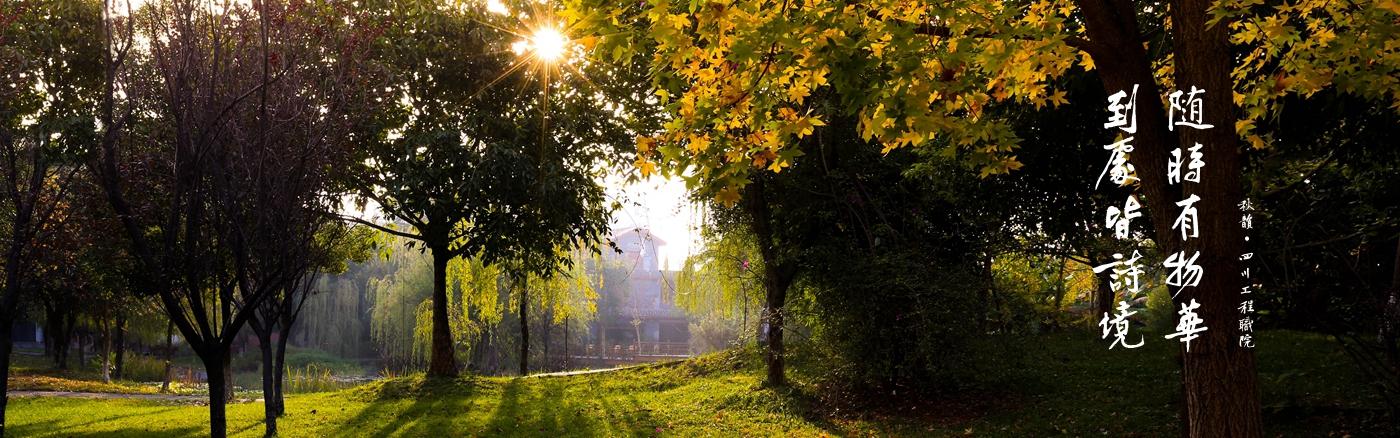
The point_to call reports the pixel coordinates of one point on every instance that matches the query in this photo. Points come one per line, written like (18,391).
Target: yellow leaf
(1244,125)
(698,143)
(1389,5)
(646,167)
(1086,61)
(787,113)
(778,165)
(645,144)
(1257,142)
(727,196)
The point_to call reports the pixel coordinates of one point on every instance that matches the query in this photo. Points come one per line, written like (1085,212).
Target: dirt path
(580,372)
(110,395)
(604,370)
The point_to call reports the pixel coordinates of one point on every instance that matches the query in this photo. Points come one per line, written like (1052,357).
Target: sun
(549,44)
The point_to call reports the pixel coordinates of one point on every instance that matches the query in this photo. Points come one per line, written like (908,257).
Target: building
(637,319)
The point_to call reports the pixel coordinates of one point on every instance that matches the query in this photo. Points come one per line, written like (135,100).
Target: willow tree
(737,78)
(564,294)
(721,281)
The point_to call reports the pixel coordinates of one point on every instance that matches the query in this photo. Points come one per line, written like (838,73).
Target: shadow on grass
(53,427)
(554,407)
(433,405)
(491,407)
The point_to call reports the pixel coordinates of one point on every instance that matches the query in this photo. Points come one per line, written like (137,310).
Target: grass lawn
(1060,384)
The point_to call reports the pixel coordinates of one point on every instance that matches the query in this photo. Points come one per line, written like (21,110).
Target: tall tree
(468,165)
(44,124)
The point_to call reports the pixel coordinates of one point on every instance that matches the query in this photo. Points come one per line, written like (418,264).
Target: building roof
(628,234)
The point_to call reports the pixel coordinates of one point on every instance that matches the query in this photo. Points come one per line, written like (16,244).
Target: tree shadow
(67,429)
(53,427)
(427,414)
(554,407)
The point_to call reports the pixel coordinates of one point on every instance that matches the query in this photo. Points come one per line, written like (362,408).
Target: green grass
(1060,384)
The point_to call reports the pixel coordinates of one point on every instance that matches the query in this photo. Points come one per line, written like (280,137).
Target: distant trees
(719,288)
(482,306)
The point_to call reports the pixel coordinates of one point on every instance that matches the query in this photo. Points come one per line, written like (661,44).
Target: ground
(1058,384)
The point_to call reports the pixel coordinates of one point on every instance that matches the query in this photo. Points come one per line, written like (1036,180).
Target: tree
(737,78)
(44,124)
(469,168)
(562,292)
(197,123)
(325,248)
(405,283)
(719,283)
(81,274)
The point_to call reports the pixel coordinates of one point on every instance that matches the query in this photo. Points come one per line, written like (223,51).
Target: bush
(251,361)
(142,368)
(892,320)
(307,358)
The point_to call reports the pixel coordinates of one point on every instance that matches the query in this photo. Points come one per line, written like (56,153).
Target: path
(110,395)
(593,371)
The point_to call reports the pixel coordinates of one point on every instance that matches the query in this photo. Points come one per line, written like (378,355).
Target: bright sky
(656,204)
(660,205)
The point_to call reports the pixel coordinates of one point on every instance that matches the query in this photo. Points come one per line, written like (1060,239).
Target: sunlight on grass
(1054,384)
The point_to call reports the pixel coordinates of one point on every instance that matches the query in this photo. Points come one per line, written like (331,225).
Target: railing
(630,350)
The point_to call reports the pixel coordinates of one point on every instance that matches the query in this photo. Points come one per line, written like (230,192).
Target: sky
(656,204)
(660,205)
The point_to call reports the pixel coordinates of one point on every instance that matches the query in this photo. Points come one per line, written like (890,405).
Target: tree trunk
(1218,377)
(60,333)
(524,326)
(82,359)
(1222,396)
(65,344)
(106,350)
(169,354)
(264,334)
(20,236)
(52,322)
(1122,63)
(281,369)
(229,392)
(777,276)
(6,346)
(215,362)
(119,351)
(443,362)
(1103,298)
